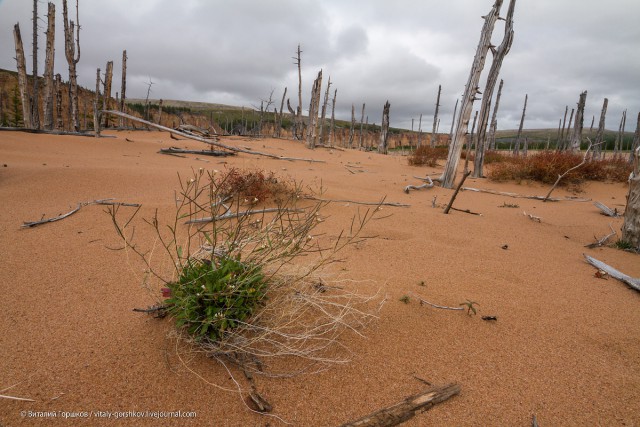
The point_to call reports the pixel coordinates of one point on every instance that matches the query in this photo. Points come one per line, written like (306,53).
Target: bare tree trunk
(516,148)
(567,137)
(312,130)
(160,113)
(469,142)
(123,87)
(419,142)
(279,128)
(597,149)
(353,125)
(631,225)
(106,99)
(499,54)
(619,143)
(576,138)
(558,137)
(360,143)
(636,144)
(59,120)
(332,125)
(35,105)
(48,68)
(471,90)
(494,119)
(453,121)
(72,53)
(593,120)
(324,111)
(432,138)
(22,78)
(560,144)
(384,129)
(96,103)
(300,125)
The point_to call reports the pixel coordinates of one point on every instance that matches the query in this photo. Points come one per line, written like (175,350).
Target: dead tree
(353,125)
(360,142)
(332,125)
(299,124)
(516,148)
(106,98)
(35,103)
(453,121)
(314,106)
(597,149)
(499,54)
(631,225)
(96,106)
(558,136)
(618,145)
(593,120)
(160,113)
(493,127)
(576,138)
(433,136)
(59,120)
(72,53)
(636,142)
(419,142)
(278,131)
(123,88)
(470,92)
(560,143)
(22,78)
(384,129)
(469,143)
(48,68)
(323,115)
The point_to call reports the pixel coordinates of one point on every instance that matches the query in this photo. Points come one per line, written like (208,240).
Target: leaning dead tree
(453,121)
(470,92)
(312,129)
(384,129)
(123,88)
(597,149)
(48,68)
(493,127)
(516,146)
(35,103)
(433,136)
(22,78)
(576,138)
(72,53)
(499,54)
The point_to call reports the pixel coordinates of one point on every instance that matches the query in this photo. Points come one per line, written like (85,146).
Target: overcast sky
(237,52)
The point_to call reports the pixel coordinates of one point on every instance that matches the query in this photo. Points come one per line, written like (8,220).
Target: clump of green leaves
(210,298)
(470,306)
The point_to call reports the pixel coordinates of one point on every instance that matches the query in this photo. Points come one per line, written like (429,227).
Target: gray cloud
(237,52)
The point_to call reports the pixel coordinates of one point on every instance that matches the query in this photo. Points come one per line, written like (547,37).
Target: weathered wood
(299,124)
(96,104)
(207,141)
(123,88)
(352,128)
(524,196)
(603,240)
(576,137)
(31,224)
(597,151)
(428,184)
(106,98)
(231,215)
(49,85)
(323,115)
(631,225)
(384,129)
(470,138)
(72,54)
(312,129)
(22,77)
(407,408)
(332,124)
(516,148)
(355,202)
(434,136)
(58,119)
(35,103)
(215,153)
(455,193)
(632,282)
(494,120)
(360,141)
(499,54)
(635,146)
(453,121)
(470,92)
(606,210)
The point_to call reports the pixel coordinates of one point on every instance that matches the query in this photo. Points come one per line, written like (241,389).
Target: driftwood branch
(466,211)
(428,183)
(230,215)
(381,203)
(603,240)
(206,140)
(443,307)
(216,153)
(532,217)
(455,193)
(607,210)
(632,282)
(524,196)
(31,224)
(407,409)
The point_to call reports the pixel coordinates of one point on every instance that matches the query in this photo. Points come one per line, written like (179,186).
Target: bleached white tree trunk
(631,224)
(22,78)
(72,53)
(620,136)
(576,138)
(494,119)
(106,99)
(332,125)
(516,148)
(352,129)
(278,132)
(96,106)
(432,137)
(48,68)
(384,129)
(323,115)
(58,119)
(313,112)
(470,92)
(35,104)
(597,148)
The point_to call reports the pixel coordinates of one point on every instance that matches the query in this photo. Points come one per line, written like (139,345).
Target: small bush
(428,156)
(253,185)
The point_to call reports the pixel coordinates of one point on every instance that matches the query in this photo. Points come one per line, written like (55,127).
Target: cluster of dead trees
(49,98)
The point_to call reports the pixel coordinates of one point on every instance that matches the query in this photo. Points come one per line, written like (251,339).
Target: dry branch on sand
(215,153)
(428,183)
(31,224)
(602,241)
(355,202)
(632,282)
(607,210)
(523,196)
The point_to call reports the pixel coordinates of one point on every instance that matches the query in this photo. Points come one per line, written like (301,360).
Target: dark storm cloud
(237,52)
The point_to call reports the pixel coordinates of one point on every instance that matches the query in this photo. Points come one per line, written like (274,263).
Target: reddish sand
(565,347)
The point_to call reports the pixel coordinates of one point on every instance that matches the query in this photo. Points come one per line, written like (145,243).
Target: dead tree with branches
(636,142)
(631,225)
(299,128)
(278,131)
(384,129)
(499,54)
(72,53)
(48,68)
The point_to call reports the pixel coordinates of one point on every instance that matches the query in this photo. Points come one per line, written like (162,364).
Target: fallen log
(216,153)
(207,141)
(632,282)
(406,409)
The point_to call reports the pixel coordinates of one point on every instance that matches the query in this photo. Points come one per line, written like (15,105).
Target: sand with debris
(565,346)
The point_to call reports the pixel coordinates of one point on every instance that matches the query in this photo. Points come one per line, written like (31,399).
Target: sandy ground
(565,347)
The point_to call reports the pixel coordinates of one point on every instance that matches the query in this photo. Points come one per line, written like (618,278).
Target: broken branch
(455,193)
(397,205)
(632,282)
